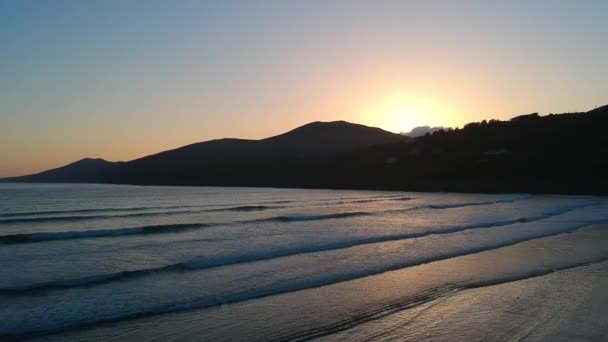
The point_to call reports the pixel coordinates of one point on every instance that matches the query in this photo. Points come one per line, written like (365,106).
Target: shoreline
(602,193)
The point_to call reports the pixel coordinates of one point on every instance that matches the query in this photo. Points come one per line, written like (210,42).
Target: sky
(123,79)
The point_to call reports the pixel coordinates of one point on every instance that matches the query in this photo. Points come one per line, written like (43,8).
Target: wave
(92,210)
(250,208)
(369,200)
(474,204)
(425,297)
(377,312)
(207,263)
(370,314)
(129,215)
(16,217)
(19,215)
(144,214)
(85,281)
(80,234)
(402,199)
(297,218)
(92,217)
(115,232)
(262,206)
(461,205)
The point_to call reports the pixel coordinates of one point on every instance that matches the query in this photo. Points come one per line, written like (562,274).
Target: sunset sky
(122,79)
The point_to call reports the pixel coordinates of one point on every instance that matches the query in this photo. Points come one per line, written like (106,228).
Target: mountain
(84,170)
(314,140)
(557,153)
(603,109)
(189,164)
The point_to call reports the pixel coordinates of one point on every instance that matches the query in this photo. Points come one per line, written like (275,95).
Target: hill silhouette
(314,140)
(557,153)
(81,171)
(200,162)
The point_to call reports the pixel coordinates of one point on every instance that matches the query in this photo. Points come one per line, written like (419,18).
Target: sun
(402,113)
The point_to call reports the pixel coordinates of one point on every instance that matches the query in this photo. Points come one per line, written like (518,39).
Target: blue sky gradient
(122,79)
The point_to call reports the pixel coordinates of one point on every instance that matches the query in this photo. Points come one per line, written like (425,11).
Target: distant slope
(557,153)
(266,162)
(325,139)
(188,164)
(565,153)
(84,170)
(314,140)
(602,109)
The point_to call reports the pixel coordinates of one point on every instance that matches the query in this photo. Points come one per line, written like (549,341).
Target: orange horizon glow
(115,81)
(400,113)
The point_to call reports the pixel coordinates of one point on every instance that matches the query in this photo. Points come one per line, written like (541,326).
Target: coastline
(591,190)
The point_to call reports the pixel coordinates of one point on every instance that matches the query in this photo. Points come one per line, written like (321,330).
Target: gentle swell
(296,218)
(474,204)
(369,314)
(206,263)
(97,210)
(17,217)
(261,206)
(370,200)
(144,214)
(330,280)
(92,217)
(425,297)
(250,208)
(81,234)
(68,235)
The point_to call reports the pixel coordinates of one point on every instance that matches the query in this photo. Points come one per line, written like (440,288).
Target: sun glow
(401,113)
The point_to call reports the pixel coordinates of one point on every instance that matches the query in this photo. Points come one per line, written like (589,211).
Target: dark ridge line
(184,308)
(192,264)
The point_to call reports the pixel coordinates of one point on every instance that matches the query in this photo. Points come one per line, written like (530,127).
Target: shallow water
(113,262)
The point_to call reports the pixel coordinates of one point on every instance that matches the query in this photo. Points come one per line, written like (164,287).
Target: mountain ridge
(556,153)
(314,140)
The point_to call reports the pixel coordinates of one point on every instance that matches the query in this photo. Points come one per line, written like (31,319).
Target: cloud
(421,130)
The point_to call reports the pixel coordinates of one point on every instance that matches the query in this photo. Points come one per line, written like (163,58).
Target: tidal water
(111,262)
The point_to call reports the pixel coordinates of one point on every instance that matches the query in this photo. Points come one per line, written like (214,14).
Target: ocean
(92,262)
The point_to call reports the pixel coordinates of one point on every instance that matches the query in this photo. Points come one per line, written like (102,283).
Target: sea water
(117,262)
